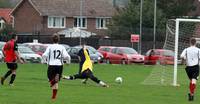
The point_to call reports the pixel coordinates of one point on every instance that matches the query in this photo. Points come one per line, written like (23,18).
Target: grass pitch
(32,87)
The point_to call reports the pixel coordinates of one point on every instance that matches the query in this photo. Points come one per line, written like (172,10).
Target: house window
(1,24)
(101,23)
(80,22)
(56,22)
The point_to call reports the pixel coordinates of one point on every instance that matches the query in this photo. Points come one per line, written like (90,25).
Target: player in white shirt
(192,55)
(55,54)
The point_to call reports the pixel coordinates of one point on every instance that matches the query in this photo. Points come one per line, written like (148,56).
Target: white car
(28,55)
(1,54)
(1,57)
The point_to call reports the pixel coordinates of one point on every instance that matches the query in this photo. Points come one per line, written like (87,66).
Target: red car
(104,50)
(123,55)
(159,56)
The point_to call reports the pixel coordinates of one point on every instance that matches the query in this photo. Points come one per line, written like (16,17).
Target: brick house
(46,17)
(5,17)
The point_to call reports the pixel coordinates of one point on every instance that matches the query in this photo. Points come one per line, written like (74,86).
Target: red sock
(52,82)
(192,88)
(54,93)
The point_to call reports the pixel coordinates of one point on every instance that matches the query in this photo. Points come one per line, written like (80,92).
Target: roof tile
(70,8)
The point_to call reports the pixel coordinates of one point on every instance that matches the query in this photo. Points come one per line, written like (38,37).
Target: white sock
(84,80)
(102,83)
(66,77)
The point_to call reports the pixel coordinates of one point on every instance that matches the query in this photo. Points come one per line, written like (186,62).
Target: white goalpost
(177,45)
(178,33)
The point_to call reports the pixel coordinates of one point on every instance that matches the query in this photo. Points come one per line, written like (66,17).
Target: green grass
(32,87)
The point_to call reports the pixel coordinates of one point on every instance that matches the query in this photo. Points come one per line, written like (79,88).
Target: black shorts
(53,71)
(87,73)
(12,66)
(80,67)
(192,72)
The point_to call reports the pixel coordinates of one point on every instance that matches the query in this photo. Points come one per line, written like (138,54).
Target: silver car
(1,54)
(28,55)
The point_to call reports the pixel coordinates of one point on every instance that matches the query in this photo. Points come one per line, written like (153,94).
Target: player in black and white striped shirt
(55,54)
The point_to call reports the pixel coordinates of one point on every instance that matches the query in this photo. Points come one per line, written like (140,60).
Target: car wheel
(108,61)
(123,62)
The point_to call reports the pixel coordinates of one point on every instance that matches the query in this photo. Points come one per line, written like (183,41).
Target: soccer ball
(119,80)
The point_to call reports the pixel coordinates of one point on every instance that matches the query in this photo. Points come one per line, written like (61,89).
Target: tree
(6,31)
(5,4)
(176,8)
(126,21)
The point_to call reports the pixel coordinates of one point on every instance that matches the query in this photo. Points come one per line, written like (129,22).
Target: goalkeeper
(86,67)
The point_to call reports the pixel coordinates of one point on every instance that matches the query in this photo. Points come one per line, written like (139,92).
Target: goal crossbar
(187,20)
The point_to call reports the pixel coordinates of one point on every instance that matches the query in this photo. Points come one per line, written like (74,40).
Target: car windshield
(91,49)
(25,50)
(168,53)
(129,51)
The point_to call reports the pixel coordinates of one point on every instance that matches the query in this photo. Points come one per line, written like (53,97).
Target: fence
(93,41)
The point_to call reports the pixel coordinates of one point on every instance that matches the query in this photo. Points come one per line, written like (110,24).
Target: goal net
(178,34)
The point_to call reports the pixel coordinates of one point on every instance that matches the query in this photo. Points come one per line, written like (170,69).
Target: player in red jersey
(10,51)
